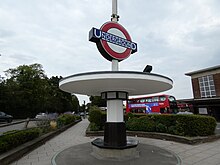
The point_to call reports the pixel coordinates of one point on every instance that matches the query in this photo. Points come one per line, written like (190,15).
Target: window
(149,100)
(155,99)
(142,100)
(207,87)
(162,98)
(171,99)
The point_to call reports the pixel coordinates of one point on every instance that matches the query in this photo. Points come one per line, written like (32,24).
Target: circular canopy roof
(135,83)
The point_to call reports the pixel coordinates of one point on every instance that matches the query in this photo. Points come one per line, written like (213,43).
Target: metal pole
(114,11)
(115,19)
(115,65)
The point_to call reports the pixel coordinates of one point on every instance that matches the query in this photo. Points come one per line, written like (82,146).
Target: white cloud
(171,36)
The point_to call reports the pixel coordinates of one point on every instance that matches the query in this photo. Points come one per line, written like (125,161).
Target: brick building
(206,91)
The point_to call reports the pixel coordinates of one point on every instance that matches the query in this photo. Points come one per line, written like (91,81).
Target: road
(19,126)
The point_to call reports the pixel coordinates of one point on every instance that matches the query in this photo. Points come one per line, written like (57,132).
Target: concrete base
(129,143)
(83,154)
(114,154)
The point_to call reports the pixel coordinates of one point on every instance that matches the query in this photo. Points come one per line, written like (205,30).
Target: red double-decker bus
(152,104)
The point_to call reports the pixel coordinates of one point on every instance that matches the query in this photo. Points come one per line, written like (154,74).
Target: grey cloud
(6,33)
(205,37)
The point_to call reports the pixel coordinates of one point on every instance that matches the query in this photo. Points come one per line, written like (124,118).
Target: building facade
(206,91)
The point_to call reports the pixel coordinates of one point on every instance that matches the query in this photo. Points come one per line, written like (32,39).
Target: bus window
(171,99)
(141,110)
(130,101)
(155,99)
(149,100)
(142,100)
(162,98)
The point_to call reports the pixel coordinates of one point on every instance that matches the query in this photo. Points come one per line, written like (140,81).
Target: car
(82,114)
(150,113)
(41,116)
(5,117)
(186,112)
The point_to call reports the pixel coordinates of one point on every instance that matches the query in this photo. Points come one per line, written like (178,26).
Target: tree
(61,101)
(27,90)
(75,102)
(97,101)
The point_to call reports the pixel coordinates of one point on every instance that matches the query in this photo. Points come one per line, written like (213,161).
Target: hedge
(183,125)
(16,138)
(65,119)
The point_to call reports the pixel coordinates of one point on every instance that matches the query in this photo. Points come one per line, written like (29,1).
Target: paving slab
(81,155)
(189,154)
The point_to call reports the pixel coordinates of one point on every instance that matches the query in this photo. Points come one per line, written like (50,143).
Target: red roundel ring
(108,52)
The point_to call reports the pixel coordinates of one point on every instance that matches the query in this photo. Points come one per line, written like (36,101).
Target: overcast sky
(173,36)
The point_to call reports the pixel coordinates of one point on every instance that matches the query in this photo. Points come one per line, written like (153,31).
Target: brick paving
(202,154)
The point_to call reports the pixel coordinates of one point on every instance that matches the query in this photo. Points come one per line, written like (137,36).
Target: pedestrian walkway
(203,154)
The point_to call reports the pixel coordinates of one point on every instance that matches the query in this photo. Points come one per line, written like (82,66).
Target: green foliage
(128,116)
(97,101)
(161,128)
(148,124)
(141,124)
(58,100)
(42,123)
(94,127)
(196,125)
(183,125)
(132,115)
(172,130)
(78,117)
(65,120)
(97,117)
(132,124)
(15,138)
(27,91)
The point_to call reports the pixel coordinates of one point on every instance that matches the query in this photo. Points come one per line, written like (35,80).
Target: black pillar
(115,134)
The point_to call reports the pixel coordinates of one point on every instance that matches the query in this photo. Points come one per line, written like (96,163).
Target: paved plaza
(202,154)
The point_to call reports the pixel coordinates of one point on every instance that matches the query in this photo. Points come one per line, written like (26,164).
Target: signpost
(115,44)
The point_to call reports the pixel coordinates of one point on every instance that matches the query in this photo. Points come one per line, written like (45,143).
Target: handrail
(24,120)
(13,123)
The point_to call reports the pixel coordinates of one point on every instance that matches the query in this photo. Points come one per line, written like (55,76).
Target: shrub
(128,116)
(172,130)
(15,138)
(132,115)
(141,124)
(94,127)
(53,125)
(183,125)
(196,125)
(43,123)
(147,123)
(97,117)
(165,119)
(132,124)
(65,119)
(78,117)
(161,128)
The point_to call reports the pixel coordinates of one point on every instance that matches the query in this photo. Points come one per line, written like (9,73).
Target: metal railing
(22,124)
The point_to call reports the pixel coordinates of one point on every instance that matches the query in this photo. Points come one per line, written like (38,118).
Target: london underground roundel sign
(113,41)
